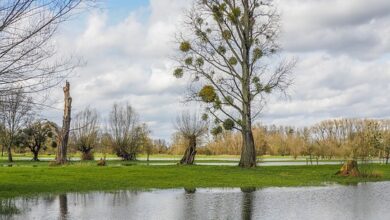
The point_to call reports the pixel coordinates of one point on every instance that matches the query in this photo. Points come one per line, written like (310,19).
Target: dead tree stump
(350,168)
(64,136)
(102,162)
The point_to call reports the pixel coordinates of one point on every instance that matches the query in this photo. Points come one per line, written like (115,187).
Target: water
(271,163)
(363,201)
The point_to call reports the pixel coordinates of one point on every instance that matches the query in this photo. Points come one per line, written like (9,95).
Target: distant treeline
(343,138)
(126,136)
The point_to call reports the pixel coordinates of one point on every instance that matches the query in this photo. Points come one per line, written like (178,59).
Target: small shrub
(102,162)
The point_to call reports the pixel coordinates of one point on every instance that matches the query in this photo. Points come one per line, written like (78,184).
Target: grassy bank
(28,180)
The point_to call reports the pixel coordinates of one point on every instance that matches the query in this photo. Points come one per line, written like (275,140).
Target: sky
(342,48)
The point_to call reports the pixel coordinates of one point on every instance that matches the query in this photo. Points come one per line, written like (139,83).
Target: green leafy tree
(38,136)
(229,49)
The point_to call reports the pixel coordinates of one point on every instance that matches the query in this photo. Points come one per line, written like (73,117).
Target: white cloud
(342,46)
(354,27)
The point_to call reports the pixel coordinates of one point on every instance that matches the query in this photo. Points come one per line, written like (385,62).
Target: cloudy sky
(342,46)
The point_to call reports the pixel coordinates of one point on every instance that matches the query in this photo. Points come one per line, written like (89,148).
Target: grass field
(83,177)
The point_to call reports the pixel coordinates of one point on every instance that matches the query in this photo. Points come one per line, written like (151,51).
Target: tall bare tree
(85,132)
(63,137)
(191,127)
(229,49)
(15,111)
(27,52)
(126,133)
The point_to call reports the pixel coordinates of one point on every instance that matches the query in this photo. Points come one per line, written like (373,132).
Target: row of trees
(123,134)
(342,138)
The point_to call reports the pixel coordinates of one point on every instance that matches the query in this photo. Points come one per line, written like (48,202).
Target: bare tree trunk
(248,151)
(189,154)
(387,157)
(35,153)
(2,151)
(62,149)
(9,153)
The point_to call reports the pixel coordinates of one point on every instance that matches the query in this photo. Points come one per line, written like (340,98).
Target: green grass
(83,177)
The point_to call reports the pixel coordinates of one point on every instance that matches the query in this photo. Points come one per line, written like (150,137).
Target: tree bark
(62,149)
(189,154)
(387,157)
(248,151)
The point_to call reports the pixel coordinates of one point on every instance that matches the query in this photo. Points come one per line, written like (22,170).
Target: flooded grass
(360,201)
(17,181)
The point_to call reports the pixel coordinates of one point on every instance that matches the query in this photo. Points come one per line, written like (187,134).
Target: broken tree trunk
(189,154)
(62,149)
(350,168)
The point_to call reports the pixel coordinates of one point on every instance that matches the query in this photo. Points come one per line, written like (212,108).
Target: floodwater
(362,201)
(264,163)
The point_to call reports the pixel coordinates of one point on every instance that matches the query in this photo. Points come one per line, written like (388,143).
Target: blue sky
(120,9)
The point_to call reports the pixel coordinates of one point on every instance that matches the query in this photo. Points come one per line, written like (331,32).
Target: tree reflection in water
(190,190)
(8,208)
(247,203)
(63,200)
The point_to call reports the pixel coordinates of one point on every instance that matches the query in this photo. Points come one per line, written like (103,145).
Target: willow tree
(85,132)
(191,127)
(229,50)
(126,133)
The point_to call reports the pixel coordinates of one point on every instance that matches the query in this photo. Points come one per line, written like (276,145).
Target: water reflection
(8,209)
(364,201)
(247,203)
(190,190)
(63,201)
